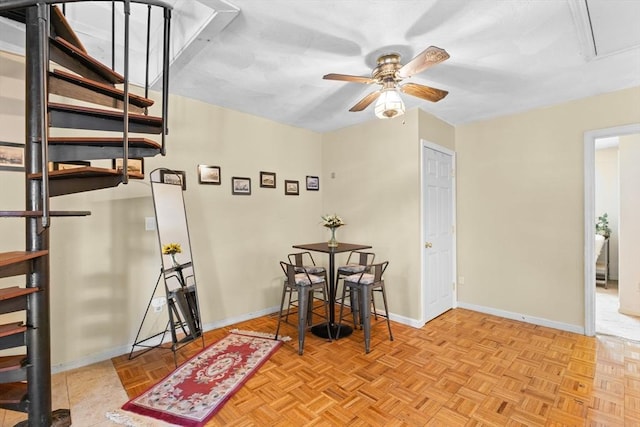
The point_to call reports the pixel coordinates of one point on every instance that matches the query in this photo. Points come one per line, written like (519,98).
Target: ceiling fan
(388,74)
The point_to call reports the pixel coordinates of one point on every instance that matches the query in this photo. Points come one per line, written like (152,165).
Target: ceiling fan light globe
(389,104)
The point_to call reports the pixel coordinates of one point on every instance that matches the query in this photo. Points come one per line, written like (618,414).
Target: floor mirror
(177,270)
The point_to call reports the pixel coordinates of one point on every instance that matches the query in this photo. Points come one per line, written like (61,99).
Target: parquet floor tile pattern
(462,369)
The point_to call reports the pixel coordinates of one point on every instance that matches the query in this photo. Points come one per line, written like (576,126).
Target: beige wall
(521,206)
(104,267)
(434,130)
(629,279)
(376,190)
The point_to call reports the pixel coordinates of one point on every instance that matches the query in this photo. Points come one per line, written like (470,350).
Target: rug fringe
(131,420)
(282,338)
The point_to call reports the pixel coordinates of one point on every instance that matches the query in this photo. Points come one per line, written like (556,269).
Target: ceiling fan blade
(427,58)
(364,102)
(424,92)
(348,78)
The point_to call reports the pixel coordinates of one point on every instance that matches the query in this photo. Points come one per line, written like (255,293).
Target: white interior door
(438,251)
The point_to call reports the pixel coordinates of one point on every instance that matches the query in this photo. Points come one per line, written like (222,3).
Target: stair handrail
(165,78)
(125,109)
(18,4)
(148,51)
(113,34)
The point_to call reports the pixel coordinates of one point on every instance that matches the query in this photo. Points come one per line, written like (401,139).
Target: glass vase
(333,243)
(174,261)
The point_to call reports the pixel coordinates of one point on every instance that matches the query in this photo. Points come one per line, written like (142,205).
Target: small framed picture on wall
(268,179)
(63,166)
(11,156)
(241,186)
(291,188)
(209,174)
(313,183)
(174,177)
(135,165)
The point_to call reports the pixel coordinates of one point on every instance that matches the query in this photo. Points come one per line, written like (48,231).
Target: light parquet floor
(461,369)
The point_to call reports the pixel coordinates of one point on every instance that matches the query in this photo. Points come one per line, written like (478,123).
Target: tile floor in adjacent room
(609,320)
(90,392)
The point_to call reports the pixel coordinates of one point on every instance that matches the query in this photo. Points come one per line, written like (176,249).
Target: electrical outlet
(158,303)
(460,280)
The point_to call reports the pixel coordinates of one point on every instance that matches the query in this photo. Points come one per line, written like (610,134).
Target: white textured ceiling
(506,56)
(267,58)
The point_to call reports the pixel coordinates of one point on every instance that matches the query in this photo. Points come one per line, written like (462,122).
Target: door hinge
(453,229)
(454,285)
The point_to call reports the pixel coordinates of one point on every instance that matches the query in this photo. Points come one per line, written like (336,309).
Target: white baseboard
(414,323)
(237,319)
(91,359)
(523,318)
(397,318)
(118,351)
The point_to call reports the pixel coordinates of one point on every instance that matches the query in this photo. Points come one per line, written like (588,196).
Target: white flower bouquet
(332,221)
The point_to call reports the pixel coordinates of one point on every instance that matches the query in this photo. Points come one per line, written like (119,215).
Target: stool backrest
(289,272)
(375,270)
(296,276)
(362,258)
(378,270)
(300,259)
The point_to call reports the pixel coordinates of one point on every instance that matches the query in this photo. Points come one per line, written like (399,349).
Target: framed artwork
(241,185)
(268,179)
(135,165)
(313,183)
(11,156)
(62,166)
(174,177)
(291,188)
(209,174)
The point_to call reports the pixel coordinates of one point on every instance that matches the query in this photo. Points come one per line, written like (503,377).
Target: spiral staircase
(58,64)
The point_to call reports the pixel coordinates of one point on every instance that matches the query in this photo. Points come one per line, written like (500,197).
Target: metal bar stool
(357,262)
(305,284)
(360,287)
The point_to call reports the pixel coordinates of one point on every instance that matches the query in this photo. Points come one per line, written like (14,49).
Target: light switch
(149,223)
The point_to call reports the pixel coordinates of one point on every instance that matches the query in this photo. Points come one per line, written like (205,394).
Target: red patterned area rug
(197,389)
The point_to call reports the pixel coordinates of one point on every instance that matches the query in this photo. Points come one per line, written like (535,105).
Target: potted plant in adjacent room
(602,225)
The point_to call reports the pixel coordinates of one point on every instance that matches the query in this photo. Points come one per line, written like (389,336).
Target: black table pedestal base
(321,330)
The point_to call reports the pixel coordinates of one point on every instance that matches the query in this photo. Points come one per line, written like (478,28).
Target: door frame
(424,144)
(590,217)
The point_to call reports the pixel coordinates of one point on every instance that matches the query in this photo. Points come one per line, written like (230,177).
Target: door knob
(428,245)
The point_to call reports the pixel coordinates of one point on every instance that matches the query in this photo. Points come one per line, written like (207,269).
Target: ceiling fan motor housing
(388,66)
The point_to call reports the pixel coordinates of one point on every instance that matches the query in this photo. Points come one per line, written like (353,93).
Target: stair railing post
(125,133)
(113,35)
(146,70)
(165,78)
(38,337)
(43,56)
